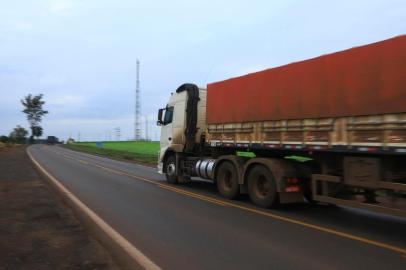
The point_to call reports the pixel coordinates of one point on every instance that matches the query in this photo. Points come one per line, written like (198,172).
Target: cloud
(59,6)
(81,54)
(67,100)
(51,79)
(23,26)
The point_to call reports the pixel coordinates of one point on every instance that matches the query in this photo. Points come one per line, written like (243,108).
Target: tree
(33,110)
(4,139)
(37,131)
(18,134)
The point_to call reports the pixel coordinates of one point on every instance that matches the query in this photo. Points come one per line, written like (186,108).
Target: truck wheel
(227,180)
(170,169)
(262,187)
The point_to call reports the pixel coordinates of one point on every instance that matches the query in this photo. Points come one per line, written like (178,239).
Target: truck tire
(262,187)
(227,180)
(170,170)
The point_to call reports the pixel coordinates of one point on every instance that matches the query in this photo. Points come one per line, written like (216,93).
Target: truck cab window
(168,115)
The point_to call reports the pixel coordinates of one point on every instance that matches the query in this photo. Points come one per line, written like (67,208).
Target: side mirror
(160,122)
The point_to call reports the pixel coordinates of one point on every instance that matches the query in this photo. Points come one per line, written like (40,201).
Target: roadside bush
(18,135)
(4,139)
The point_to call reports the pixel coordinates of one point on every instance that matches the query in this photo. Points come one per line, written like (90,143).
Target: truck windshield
(168,115)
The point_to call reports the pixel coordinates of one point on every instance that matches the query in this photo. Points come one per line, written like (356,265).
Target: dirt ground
(37,230)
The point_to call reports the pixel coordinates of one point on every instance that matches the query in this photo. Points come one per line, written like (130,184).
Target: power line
(137,123)
(118,133)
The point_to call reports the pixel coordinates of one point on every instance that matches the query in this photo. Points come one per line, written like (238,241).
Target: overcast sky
(82,54)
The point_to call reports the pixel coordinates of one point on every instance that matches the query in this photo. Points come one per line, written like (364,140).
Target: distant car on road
(52,140)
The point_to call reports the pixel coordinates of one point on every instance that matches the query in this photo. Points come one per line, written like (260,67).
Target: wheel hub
(227,180)
(262,186)
(171,169)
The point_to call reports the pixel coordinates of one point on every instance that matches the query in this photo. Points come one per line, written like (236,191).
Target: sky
(82,54)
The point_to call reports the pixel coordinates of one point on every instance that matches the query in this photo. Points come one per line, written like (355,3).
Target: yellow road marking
(260,212)
(68,157)
(194,195)
(82,161)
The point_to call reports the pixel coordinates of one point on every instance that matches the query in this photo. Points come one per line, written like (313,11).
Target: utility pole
(146,127)
(137,121)
(118,133)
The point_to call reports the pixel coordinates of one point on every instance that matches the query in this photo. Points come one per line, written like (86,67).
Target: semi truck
(331,130)
(52,140)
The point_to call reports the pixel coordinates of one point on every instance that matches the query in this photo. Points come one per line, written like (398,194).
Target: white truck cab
(181,125)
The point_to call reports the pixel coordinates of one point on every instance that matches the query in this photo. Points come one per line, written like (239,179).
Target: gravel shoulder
(37,230)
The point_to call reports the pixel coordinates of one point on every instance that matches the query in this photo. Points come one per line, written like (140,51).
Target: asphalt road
(192,227)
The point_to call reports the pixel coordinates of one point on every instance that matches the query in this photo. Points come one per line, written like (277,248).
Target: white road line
(131,250)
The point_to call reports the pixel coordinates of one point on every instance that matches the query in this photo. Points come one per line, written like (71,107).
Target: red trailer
(364,80)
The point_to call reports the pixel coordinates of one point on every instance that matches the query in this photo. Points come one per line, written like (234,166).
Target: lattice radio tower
(137,122)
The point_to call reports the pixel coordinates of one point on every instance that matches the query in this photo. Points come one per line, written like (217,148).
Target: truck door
(166,128)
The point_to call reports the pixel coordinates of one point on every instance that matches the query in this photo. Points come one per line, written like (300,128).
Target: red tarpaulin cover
(364,80)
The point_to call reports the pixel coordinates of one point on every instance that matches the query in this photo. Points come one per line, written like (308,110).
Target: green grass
(148,148)
(146,152)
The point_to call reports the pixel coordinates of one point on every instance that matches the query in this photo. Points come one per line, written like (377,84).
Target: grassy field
(146,152)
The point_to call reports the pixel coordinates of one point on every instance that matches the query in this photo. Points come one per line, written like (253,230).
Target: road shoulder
(41,232)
